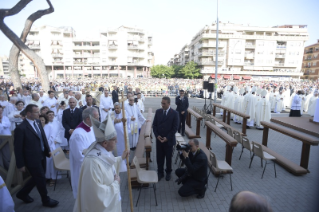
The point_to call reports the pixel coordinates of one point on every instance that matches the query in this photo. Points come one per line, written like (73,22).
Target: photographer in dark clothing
(194,176)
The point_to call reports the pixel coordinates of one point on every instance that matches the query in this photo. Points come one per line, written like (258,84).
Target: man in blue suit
(182,105)
(165,125)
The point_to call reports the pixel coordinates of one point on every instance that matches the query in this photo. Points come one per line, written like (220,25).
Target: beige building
(121,52)
(4,66)
(311,62)
(247,51)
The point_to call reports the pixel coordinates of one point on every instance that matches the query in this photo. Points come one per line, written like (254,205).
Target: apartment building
(121,52)
(4,66)
(247,51)
(311,62)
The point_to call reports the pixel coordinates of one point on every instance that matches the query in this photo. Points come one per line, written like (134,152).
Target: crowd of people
(90,130)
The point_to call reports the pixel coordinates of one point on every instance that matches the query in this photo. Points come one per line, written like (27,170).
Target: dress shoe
(160,176)
(27,199)
(50,203)
(168,176)
(201,194)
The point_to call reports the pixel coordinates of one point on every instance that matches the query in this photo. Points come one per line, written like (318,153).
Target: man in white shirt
(106,103)
(35,100)
(51,102)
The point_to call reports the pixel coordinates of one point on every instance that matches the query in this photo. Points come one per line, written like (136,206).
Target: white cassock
(64,142)
(38,103)
(287,98)
(51,102)
(234,104)
(5,154)
(140,104)
(43,98)
(279,103)
(249,108)
(227,100)
(312,105)
(80,139)
(7,204)
(303,103)
(4,104)
(14,120)
(238,104)
(273,100)
(52,130)
(134,125)
(105,103)
(316,115)
(263,112)
(10,107)
(26,99)
(120,145)
(66,100)
(98,191)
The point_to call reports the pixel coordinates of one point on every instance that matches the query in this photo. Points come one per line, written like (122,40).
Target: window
(314,63)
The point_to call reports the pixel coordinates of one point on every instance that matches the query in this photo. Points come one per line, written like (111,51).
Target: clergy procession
(95,131)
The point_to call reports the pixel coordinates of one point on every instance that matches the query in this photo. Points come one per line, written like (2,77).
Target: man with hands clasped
(182,105)
(165,125)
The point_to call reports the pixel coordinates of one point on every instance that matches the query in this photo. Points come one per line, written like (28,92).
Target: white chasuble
(132,111)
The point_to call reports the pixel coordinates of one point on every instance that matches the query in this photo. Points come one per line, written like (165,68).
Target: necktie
(164,114)
(71,111)
(39,134)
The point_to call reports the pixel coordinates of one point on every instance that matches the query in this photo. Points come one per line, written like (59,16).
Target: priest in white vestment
(227,98)
(26,98)
(263,110)
(312,103)
(65,98)
(238,102)
(99,181)
(135,119)
(35,100)
(249,107)
(3,102)
(51,102)
(234,103)
(274,95)
(14,116)
(316,115)
(80,139)
(52,130)
(106,104)
(43,97)
(64,142)
(10,106)
(295,109)
(279,102)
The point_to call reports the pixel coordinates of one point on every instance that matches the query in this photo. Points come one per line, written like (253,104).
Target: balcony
(309,52)
(112,46)
(280,55)
(212,53)
(78,47)
(307,66)
(249,46)
(56,55)
(281,47)
(134,47)
(249,56)
(57,62)
(249,64)
(279,64)
(209,63)
(309,58)
(34,46)
(207,45)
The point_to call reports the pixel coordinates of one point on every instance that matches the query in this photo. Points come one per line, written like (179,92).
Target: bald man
(249,201)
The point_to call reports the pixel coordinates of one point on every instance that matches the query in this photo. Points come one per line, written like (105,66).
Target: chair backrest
(238,137)
(137,165)
(58,156)
(230,131)
(246,143)
(213,159)
(258,149)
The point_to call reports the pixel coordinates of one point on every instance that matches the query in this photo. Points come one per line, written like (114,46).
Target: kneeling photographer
(194,176)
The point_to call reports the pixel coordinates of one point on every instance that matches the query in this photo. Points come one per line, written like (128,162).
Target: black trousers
(37,179)
(190,186)
(294,113)
(181,125)
(163,151)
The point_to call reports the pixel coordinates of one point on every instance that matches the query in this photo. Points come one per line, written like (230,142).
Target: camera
(62,103)
(185,147)
(135,100)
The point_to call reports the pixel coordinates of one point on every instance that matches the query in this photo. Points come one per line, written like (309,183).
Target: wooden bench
(226,126)
(188,126)
(227,113)
(229,140)
(305,151)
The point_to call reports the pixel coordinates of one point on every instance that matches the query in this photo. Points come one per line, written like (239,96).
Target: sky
(173,23)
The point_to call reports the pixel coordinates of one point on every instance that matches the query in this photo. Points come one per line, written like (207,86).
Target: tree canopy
(191,70)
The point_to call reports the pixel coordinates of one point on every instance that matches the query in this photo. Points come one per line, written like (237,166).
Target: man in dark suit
(164,127)
(182,105)
(89,103)
(31,149)
(71,118)
(115,95)
(194,176)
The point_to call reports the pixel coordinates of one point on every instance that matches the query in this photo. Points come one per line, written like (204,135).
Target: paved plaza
(285,193)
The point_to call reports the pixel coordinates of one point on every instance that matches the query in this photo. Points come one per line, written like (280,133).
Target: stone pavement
(285,193)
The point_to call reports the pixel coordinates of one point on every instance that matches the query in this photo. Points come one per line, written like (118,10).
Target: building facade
(121,52)
(4,66)
(311,62)
(247,51)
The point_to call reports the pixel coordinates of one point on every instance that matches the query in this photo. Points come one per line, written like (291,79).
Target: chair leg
(251,160)
(217,182)
(56,177)
(231,185)
(261,162)
(242,149)
(264,170)
(275,168)
(139,194)
(154,187)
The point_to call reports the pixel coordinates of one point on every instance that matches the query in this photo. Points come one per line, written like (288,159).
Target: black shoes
(160,176)
(168,176)
(132,149)
(50,203)
(27,199)
(201,194)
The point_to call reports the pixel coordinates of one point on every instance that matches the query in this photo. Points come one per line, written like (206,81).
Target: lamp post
(216,62)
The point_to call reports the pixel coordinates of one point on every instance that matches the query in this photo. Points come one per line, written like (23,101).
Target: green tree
(162,71)
(191,70)
(177,70)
